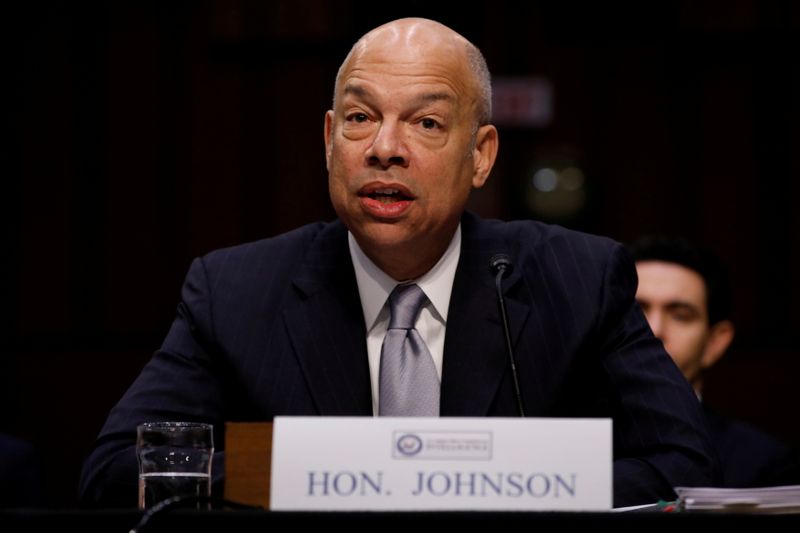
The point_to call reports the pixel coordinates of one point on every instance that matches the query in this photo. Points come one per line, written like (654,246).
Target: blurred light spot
(522,101)
(545,180)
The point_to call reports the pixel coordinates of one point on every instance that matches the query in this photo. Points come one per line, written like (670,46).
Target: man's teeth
(387,195)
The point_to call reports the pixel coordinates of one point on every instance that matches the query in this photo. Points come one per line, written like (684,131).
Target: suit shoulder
(289,247)
(531,236)
(534,231)
(266,261)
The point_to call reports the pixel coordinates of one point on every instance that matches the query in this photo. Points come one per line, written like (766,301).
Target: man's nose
(388,147)
(656,321)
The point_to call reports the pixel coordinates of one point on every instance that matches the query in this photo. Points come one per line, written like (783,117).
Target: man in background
(684,293)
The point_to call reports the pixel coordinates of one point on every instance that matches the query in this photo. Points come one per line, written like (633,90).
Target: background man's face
(674,301)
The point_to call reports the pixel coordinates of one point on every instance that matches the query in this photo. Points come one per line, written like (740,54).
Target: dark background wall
(142,134)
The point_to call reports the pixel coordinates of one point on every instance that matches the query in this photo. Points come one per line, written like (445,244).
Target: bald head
(410,39)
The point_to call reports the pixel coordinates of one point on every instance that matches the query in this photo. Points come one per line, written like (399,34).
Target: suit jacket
(21,481)
(276,327)
(749,457)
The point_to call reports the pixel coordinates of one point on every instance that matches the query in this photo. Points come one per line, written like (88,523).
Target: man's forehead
(670,280)
(418,93)
(408,43)
(409,59)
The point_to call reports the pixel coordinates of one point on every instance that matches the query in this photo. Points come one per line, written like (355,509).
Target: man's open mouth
(388,195)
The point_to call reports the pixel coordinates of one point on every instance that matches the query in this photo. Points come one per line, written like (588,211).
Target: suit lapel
(325,325)
(475,357)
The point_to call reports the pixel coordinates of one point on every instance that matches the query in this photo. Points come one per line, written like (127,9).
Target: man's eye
(358,117)
(429,123)
(684,316)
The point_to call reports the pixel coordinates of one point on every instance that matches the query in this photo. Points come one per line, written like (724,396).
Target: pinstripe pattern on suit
(275,327)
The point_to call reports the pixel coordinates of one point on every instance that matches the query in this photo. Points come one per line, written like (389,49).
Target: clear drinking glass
(174,460)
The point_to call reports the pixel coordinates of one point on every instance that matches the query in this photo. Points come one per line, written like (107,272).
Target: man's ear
(328,138)
(487,143)
(720,337)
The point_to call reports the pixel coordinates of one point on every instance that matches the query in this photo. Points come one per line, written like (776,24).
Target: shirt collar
(374,285)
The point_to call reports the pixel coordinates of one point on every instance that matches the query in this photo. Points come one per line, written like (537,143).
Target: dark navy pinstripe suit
(275,327)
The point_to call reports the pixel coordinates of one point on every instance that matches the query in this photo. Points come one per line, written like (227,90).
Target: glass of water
(174,460)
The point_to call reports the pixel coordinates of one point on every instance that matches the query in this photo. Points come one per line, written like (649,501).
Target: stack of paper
(761,500)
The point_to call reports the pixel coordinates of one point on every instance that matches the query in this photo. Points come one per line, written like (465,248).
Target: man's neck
(404,266)
(407,262)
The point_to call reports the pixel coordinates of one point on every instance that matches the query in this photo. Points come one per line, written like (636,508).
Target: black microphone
(501,266)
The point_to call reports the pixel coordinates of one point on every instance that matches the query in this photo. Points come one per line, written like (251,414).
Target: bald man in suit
(293,325)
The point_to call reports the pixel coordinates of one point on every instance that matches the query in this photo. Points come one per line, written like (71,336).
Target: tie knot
(404,305)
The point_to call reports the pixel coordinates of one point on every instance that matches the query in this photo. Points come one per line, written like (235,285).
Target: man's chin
(379,235)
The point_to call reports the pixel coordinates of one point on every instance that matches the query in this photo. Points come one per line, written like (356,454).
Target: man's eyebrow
(433,97)
(356,90)
(682,305)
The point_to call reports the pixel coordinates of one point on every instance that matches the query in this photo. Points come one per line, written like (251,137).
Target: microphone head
(501,262)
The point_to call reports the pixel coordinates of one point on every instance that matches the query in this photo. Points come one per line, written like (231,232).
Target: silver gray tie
(409,385)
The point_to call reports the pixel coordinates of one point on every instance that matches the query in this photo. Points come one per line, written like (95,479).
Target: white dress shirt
(374,287)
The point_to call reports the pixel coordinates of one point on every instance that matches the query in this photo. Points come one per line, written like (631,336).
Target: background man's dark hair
(685,253)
